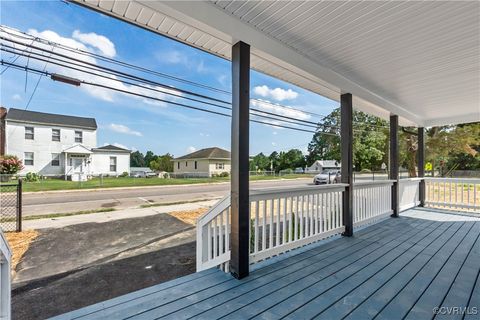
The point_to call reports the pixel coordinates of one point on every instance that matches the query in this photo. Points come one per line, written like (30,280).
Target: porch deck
(397,269)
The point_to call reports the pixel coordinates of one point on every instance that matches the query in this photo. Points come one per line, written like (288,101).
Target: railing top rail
(259,193)
(373,183)
(218,207)
(465,180)
(411,179)
(5,247)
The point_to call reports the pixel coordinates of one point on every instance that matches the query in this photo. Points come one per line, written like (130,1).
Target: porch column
(239,195)
(394,163)
(65,166)
(346,132)
(421,165)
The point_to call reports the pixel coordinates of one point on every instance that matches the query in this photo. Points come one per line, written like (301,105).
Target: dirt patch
(19,243)
(190,216)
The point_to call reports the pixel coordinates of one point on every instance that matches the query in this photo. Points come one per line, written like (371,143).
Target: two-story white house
(60,145)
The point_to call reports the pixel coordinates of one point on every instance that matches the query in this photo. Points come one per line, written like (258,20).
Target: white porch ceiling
(420,60)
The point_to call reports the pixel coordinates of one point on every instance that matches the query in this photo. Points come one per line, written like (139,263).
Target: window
(79,136)
(55,134)
(113,164)
(195,165)
(178,165)
(220,166)
(55,159)
(186,164)
(29,133)
(28,159)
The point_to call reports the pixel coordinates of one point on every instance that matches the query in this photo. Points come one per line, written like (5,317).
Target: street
(40,203)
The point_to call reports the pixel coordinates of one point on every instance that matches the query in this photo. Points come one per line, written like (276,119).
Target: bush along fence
(11,206)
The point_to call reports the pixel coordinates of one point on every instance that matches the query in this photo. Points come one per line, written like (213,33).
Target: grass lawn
(112,182)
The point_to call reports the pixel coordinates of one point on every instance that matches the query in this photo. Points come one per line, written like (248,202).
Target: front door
(77,165)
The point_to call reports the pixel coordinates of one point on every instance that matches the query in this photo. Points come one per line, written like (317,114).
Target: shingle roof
(50,118)
(208,153)
(111,147)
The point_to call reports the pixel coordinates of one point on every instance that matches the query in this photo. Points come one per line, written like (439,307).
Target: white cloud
(191,149)
(173,57)
(17,97)
(274,144)
(120,128)
(91,42)
(278,94)
(204,134)
(278,109)
(274,132)
(102,43)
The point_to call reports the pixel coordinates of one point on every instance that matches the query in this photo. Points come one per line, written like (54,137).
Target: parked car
(146,173)
(327,176)
(298,170)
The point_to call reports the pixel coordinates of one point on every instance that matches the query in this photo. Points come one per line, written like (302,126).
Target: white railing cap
(459,180)
(373,183)
(289,190)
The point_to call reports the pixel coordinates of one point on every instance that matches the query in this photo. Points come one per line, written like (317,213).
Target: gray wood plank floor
(397,269)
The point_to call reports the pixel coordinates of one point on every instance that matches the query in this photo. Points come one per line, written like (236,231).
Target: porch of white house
(349,250)
(392,268)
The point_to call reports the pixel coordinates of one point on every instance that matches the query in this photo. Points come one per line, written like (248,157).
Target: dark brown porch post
(394,163)
(346,131)
(421,165)
(240,205)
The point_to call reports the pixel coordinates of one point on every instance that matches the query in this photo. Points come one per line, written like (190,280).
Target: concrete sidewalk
(102,217)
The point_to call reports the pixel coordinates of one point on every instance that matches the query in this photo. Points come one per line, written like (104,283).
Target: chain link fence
(11,206)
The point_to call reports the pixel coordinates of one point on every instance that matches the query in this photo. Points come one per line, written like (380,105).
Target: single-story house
(203,163)
(320,165)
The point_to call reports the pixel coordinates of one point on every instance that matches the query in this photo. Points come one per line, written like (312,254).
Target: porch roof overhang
(418,60)
(77,149)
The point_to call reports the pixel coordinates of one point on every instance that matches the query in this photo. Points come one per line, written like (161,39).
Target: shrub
(365,171)
(124,174)
(224,174)
(10,164)
(32,177)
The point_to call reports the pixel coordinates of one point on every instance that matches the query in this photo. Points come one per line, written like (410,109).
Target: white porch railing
(371,201)
(280,220)
(453,193)
(5,278)
(409,193)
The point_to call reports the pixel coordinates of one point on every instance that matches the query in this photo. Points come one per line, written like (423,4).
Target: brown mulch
(190,216)
(19,243)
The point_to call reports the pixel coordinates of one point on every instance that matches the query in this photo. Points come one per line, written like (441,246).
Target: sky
(138,123)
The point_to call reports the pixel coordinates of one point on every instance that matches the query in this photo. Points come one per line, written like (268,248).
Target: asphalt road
(71,201)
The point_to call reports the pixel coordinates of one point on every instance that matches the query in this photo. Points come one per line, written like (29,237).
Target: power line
(46,73)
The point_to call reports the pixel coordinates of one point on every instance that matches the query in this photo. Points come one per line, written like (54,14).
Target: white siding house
(60,145)
(203,163)
(320,165)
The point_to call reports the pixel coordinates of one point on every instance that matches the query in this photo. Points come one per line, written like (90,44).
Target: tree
(137,159)
(10,164)
(260,162)
(149,157)
(162,163)
(274,160)
(370,135)
(292,159)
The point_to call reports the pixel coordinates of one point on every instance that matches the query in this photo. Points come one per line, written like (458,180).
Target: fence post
(19,205)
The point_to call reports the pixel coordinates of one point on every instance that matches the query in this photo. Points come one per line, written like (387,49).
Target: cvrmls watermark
(455,310)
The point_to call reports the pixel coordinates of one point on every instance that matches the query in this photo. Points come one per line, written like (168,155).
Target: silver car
(327,176)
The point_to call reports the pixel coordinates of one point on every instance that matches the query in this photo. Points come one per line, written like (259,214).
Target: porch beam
(239,195)
(394,165)
(421,165)
(346,136)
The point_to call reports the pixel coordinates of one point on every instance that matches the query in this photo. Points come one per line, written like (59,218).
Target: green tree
(274,160)
(149,157)
(137,159)
(370,140)
(292,159)
(162,163)
(260,162)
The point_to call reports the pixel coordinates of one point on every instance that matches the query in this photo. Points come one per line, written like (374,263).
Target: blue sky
(133,122)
